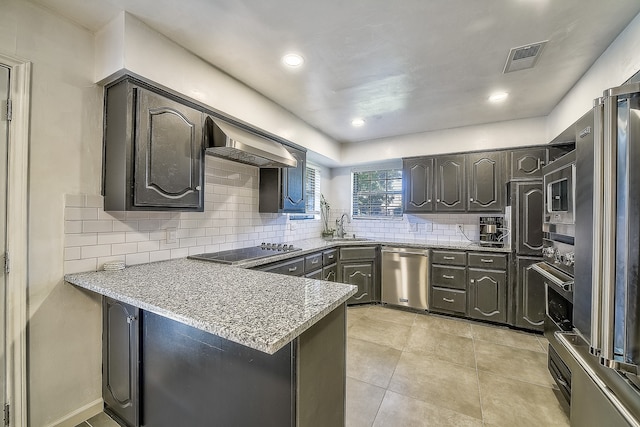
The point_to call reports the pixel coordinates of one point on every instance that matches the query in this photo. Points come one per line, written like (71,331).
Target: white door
(4,137)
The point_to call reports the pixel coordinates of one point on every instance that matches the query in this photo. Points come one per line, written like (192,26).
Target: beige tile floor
(407,369)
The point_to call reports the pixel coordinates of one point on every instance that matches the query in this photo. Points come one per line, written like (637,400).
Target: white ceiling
(407,66)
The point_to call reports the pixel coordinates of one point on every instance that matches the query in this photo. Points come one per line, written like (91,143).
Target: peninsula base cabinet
(120,359)
(193,378)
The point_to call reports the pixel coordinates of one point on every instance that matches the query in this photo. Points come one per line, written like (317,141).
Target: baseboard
(79,415)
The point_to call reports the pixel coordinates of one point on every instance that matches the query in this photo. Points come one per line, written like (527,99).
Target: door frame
(17,227)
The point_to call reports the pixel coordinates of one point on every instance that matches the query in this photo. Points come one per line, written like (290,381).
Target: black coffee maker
(491,229)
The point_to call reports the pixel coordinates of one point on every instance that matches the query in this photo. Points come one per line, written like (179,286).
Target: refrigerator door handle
(609,222)
(598,213)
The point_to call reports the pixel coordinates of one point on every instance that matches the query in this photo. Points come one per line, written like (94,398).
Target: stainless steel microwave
(559,189)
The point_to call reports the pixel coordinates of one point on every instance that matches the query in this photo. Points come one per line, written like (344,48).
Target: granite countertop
(260,310)
(313,245)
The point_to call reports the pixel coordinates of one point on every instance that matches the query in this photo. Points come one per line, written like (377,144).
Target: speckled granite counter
(259,310)
(313,245)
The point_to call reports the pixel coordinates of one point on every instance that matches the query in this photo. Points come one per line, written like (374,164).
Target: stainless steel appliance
(230,142)
(405,277)
(605,344)
(556,269)
(491,231)
(234,256)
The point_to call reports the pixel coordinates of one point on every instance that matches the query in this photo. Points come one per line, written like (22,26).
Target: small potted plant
(324,216)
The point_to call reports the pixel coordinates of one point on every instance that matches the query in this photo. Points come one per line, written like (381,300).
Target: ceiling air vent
(523,57)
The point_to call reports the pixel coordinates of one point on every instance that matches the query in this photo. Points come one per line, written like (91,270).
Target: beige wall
(65,156)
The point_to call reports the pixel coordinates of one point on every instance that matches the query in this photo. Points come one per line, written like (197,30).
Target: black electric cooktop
(233,256)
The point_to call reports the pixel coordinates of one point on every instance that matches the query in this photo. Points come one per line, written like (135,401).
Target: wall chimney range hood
(233,143)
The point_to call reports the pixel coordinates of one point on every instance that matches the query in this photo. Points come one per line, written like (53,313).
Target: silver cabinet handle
(330,257)
(292,269)
(429,201)
(447,300)
(471,199)
(488,261)
(438,200)
(448,257)
(473,281)
(361,296)
(446,276)
(331,273)
(315,261)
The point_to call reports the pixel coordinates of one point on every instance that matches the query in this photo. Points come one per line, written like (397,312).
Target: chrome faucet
(340,225)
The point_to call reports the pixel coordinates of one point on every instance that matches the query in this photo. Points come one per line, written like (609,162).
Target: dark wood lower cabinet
(168,374)
(530,295)
(120,359)
(487,295)
(360,274)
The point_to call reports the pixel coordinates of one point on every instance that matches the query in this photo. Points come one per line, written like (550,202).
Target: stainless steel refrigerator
(605,343)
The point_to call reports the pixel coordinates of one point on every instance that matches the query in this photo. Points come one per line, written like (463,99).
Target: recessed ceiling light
(357,122)
(293,60)
(498,97)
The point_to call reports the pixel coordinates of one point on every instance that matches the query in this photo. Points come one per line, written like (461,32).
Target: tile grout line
(475,358)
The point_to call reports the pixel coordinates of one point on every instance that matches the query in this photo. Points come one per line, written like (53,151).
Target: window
(312,193)
(377,194)
(312,189)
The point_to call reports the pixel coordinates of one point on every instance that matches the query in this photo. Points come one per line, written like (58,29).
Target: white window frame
(398,192)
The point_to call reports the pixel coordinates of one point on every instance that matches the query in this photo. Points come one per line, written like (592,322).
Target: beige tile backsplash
(230,220)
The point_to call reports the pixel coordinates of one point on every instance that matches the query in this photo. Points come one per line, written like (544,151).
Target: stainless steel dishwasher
(405,277)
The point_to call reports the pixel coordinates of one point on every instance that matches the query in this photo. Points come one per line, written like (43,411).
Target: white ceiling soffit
(524,57)
(404,67)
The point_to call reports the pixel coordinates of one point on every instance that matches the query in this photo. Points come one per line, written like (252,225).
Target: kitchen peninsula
(221,345)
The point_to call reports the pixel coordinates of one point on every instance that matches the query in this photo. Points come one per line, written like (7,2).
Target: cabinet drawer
(449,257)
(368,252)
(294,267)
(329,257)
(449,299)
(490,261)
(314,275)
(449,277)
(312,262)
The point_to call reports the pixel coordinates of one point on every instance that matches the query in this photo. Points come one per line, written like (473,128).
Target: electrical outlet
(172,235)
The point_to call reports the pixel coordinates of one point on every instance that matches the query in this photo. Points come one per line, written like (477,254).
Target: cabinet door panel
(530,206)
(120,347)
(528,163)
(450,187)
(487,295)
(168,147)
(293,183)
(485,181)
(418,177)
(361,275)
(530,295)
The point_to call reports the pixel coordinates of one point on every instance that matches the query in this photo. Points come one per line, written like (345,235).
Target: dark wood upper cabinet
(450,183)
(153,150)
(485,182)
(528,227)
(527,163)
(419,185)
(282,190)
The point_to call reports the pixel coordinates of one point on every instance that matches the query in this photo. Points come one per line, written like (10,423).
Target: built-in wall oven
(557,269)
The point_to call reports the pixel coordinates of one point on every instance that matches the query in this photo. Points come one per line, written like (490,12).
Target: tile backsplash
(230,220)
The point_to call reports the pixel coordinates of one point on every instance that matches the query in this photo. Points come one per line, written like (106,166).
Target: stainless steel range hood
(233,143)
